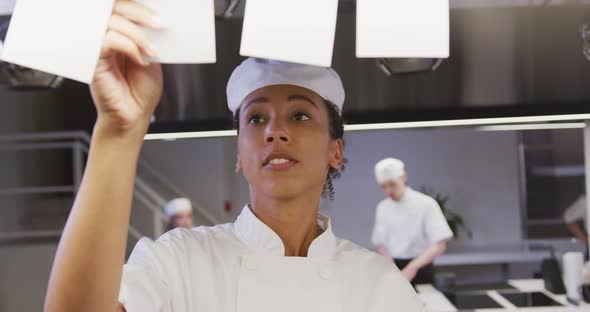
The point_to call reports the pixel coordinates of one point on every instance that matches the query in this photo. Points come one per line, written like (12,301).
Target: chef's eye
(255,119)
(300,117)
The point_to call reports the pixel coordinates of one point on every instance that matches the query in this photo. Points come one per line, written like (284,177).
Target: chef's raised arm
(87,268)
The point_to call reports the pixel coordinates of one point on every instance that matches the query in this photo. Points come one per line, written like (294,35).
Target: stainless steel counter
(435,301)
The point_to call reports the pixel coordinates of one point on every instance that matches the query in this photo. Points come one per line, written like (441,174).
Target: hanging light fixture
(229,8)
(403,36)
(400,66)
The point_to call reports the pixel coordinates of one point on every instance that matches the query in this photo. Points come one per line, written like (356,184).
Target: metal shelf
(560,171)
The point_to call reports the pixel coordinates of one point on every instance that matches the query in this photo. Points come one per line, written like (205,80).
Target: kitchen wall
(24,270)
(24,273)
(203,170)
(24,267)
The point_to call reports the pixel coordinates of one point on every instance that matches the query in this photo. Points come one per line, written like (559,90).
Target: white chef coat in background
(407,228)
(241,267)
(576,211)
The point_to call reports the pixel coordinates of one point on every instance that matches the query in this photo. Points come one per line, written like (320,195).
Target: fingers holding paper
(126,86)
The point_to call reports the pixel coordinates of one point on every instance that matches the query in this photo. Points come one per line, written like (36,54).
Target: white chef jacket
(576,211)
(407,228)
(241,267)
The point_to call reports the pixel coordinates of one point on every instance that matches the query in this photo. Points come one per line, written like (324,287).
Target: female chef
(279,255)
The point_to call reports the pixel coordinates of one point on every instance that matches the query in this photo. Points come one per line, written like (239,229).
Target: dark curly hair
(336,126)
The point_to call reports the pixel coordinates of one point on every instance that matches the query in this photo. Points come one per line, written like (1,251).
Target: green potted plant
(455,221)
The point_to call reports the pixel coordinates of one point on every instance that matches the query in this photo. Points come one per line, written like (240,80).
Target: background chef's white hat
(178,205)
(255,73)
(389,169)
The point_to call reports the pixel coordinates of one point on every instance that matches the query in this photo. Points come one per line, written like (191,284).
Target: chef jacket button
(249,264)
(326,273)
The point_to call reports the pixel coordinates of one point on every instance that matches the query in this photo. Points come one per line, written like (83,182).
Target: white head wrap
(254,74)
(389,169)
(178,205)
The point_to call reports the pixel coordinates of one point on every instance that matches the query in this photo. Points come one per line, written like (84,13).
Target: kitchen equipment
(585,289)
(529,299)
(502,286)
(463,301)
(446,282)
(552,274)
(573,263)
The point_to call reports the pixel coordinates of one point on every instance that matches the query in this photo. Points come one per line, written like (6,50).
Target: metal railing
(79,143)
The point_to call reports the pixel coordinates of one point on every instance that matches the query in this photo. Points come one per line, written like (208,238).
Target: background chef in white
(279,255)
(575,213)
(410,227)
(180,213)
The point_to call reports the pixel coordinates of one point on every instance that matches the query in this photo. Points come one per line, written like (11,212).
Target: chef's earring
(238,165)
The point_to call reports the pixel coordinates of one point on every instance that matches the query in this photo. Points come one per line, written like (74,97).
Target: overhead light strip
(546,126)
(499,121)
(190,135)
(466,122)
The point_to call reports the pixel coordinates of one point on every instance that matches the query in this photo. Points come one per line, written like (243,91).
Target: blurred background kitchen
(503,185)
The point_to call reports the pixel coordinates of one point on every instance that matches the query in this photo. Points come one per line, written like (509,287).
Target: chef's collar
(405,196)
(261,238)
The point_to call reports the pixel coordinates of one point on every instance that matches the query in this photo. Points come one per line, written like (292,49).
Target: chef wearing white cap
(279,255)
(409,227)
(180,213)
